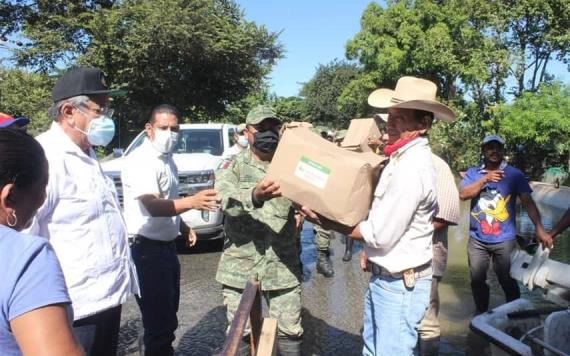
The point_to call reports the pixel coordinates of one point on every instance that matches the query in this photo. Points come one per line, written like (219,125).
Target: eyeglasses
(104,111)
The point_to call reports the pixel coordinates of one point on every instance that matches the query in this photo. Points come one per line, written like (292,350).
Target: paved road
(332,308)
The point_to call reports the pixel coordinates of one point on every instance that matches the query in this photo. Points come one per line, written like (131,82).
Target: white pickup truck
(197,154)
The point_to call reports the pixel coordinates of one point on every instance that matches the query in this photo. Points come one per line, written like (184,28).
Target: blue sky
(315,32)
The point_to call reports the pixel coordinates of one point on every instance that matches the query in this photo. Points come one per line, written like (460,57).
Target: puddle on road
(339,299)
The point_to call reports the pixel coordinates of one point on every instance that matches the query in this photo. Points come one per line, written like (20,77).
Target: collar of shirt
(419,142)
(67,145)
(249,159)
(482,169)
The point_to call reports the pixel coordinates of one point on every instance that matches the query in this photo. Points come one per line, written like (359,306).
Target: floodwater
(333,307)
(455,292)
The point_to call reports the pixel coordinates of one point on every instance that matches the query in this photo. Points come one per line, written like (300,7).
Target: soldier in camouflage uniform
(260,232)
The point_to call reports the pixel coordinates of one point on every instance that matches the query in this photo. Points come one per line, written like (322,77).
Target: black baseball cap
(82,81)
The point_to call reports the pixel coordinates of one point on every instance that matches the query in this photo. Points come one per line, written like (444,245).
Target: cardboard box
(334,182)
(359,131)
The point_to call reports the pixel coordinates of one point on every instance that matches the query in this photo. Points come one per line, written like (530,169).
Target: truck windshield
(200,141)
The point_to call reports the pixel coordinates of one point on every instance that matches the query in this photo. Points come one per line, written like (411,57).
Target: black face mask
(265,141)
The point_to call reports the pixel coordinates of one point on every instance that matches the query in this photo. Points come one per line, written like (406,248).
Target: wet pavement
(332,307)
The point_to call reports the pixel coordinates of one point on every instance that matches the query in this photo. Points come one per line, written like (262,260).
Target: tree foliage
(471,49)
(537,126)
(201,56)
(26,94)
(322,92)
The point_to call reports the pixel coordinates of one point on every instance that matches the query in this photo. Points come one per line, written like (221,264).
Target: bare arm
(562,225)
(534,215)
(470,191)
(204,200)
(44,332)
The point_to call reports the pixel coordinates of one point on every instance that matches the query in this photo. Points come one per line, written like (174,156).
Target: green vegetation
(490,60)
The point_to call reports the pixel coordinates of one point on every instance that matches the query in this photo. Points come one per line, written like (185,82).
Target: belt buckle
(409,276)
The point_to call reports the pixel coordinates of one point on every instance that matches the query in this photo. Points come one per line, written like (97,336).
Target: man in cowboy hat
(447,214)
(398,231)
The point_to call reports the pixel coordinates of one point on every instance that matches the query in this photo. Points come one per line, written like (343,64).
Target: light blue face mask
(101,130)
(242,141)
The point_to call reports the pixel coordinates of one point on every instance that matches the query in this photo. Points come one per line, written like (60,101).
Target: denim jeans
(158,270)
(392,315)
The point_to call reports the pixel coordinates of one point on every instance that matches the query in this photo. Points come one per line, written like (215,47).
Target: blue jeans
(392,315)
(158,270)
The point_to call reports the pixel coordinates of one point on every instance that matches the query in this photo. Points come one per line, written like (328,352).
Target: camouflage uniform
(260,243)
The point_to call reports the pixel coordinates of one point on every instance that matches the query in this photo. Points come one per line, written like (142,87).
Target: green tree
(537,127)
(201,56)
(322,92)
(535,32)
(468,48)
(26,94)
(289,108)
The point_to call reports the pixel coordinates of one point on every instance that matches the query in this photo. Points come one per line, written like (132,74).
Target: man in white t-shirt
(152,208)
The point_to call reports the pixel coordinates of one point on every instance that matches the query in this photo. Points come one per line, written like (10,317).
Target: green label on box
(312,172)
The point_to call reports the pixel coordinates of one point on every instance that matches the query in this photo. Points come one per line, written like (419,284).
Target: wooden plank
(255,320)
(237,328)
(267,338)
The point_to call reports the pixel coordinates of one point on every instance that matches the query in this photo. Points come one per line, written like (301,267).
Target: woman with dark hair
(34,302)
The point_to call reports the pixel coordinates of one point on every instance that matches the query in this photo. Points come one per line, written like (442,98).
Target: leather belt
(419,271)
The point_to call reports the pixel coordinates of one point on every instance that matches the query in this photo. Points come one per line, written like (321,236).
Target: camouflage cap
(260,113)
(340,135)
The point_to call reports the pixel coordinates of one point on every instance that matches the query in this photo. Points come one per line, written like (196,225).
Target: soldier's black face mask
(265,141)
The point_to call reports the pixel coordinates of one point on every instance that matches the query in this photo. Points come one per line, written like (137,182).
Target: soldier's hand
(267,189)
(311,216)
(205,200)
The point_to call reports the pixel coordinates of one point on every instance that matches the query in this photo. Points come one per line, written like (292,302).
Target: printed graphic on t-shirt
(491,211)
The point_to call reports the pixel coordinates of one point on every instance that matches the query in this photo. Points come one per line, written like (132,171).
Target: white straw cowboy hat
(411,93)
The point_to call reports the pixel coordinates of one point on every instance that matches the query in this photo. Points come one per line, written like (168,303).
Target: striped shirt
(448,210)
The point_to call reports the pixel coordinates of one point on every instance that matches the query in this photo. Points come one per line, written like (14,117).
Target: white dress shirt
(147,171)
(398,231)
(81,217)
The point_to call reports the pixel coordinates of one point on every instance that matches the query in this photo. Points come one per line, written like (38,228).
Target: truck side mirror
(118,152)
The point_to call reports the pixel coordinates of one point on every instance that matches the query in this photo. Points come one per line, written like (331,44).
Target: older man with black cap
(399,228)
(81,215)
(493,189)
(261,232)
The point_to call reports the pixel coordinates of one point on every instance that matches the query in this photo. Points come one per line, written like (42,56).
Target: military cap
(260,113)
(340,135)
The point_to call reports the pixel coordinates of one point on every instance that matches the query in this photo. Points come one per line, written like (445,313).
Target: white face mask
(164,140)
(242,141)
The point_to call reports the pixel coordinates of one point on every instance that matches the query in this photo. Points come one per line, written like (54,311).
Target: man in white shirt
(152,208)
(81,215)
(399,228)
